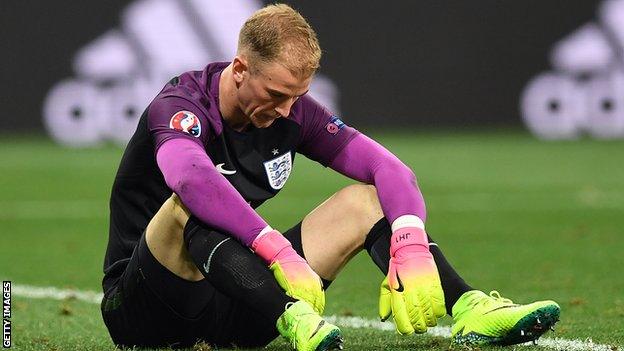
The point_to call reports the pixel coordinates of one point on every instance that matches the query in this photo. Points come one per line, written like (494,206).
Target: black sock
(234,270)
(378,246)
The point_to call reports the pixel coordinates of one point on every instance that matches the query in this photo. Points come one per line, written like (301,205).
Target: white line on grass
(561,344)
(558,344)
(363,323)
(36,292)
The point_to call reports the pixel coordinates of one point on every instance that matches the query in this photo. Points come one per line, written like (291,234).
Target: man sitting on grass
(189,259)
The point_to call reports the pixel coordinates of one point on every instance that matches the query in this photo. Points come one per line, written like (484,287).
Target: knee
(168,223)
(179,211)
(361,202)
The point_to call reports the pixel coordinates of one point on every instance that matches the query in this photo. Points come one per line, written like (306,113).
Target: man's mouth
(263,121)
(272,118)
(269,118)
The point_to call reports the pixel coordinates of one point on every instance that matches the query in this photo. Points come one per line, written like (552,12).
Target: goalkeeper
(188,257)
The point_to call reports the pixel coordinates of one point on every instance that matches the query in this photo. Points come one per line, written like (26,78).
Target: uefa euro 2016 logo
(187,122)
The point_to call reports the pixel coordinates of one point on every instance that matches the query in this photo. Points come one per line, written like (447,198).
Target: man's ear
(239,68)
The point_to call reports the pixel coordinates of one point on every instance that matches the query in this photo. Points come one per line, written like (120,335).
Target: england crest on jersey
(278,170)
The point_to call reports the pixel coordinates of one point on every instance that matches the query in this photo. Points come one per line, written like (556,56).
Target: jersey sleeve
(190,173)
(323,134)
(173,117)
(367,161)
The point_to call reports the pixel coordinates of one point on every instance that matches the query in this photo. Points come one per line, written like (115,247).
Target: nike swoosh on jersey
(220,169)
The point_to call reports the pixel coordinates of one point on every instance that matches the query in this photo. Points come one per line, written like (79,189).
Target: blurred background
(83,72)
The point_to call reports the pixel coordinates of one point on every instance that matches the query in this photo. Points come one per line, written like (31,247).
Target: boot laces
(495,295)
(493,298)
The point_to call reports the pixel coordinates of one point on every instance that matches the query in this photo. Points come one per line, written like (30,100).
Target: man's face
(268,92)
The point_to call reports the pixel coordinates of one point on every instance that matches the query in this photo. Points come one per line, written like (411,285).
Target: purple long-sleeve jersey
(182,144)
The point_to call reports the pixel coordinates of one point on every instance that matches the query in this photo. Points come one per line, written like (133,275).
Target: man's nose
(284,108)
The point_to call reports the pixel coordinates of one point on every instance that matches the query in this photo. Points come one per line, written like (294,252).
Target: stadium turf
(530,219)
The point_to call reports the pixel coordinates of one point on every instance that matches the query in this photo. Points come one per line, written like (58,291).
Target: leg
(344,220)
(162,298)
(191,249)
(378,246)
(165,239)
(149,306)
(356,222)
(236,271)
(352,219)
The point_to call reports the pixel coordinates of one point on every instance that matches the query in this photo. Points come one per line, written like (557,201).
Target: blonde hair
(278,33)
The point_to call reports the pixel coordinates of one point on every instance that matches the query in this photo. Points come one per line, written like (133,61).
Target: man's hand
(412,291)
(291,271)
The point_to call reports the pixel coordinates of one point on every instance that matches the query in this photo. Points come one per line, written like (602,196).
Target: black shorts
(149,306)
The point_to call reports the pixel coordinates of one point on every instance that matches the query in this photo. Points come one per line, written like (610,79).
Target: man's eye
(275,95)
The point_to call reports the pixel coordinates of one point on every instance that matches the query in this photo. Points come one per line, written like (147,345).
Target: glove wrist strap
(269,245)
(408,236)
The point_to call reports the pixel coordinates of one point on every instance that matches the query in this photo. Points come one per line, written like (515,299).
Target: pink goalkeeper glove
(412,291)
(291,271)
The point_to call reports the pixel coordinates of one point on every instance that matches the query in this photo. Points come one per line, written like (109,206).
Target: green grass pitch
(530,219)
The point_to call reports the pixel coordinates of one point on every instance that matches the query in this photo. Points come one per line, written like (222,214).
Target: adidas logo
(584,93)
(120,72)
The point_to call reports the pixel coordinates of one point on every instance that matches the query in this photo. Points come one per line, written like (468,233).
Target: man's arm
(367,161)
(179,129)
(190,173)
